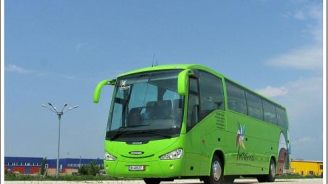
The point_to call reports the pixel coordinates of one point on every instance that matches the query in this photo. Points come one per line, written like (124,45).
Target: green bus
(189,121)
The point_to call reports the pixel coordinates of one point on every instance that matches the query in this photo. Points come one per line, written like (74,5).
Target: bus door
(193,136)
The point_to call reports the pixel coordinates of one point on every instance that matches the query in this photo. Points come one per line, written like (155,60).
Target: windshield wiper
(155,133)
(133,126)
(120,131)
(119,134)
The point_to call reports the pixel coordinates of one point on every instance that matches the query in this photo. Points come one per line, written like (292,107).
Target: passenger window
(211,94)
(139,89)
(193,104)
(254,106)
(117,117)
(281,117)
(236,98)
(177,104)
(269,112)
(170,95)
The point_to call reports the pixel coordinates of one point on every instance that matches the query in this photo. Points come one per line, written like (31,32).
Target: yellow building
(307,167)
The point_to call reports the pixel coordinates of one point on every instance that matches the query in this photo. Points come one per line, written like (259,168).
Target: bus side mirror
(98,89)
(183,81)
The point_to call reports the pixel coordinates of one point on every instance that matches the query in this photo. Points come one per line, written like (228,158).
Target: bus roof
(191,66)
(170,67)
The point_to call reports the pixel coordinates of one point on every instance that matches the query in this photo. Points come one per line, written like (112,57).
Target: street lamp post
(59,115)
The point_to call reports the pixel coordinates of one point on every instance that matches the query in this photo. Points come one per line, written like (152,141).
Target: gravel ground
(240,181)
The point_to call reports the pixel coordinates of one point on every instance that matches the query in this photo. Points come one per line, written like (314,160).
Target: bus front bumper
(150,169)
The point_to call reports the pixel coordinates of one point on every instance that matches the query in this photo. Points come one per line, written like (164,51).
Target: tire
(228,179)
(152,180)
(261,178)
(216,175)
(272,173)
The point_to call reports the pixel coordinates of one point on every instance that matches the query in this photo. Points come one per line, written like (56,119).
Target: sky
(57,51)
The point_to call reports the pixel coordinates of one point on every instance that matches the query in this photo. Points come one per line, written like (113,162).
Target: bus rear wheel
(152,180)
(272,173)
(216,175)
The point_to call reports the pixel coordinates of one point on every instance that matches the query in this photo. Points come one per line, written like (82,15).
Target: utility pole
(59,115)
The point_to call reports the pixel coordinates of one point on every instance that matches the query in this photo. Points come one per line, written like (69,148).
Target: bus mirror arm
(183,81)
(98,89)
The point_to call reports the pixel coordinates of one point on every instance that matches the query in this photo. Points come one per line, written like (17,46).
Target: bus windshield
(145,107)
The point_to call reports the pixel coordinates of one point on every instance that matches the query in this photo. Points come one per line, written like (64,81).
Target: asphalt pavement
(239,181)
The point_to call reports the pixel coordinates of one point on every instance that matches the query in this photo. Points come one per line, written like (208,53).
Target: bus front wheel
(216,175)
(152,181)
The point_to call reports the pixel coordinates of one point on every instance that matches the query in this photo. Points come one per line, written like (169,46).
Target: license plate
(136,168)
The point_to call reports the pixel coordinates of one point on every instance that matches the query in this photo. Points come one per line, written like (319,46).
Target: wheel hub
(217,170)
(273,169)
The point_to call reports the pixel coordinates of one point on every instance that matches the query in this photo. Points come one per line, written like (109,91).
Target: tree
(43,170)
(83,170)
(91,169)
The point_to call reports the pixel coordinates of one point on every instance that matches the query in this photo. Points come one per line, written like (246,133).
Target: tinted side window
(193,104)
(254,105)
(211,94)
(269,112)
(281,117)
(236,98)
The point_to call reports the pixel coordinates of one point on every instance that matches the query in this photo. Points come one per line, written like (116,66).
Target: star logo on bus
(240,137)
(123,85)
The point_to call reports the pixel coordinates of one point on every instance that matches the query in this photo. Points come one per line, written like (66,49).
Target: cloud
(293,92)
(315,29)
(302,58)
(20,70)
(303,141)
(309,56)
(303,99)
(306,12)
(270,91)
(17,69)
(304,91)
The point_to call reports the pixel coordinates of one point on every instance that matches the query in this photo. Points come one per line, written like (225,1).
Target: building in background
(307,167)
(70,165)
(32,165)
(23,165)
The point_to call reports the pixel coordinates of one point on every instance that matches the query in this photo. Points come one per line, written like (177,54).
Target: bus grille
(138,157)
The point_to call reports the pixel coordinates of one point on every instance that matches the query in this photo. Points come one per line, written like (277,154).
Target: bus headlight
(109,157)
(176,154)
